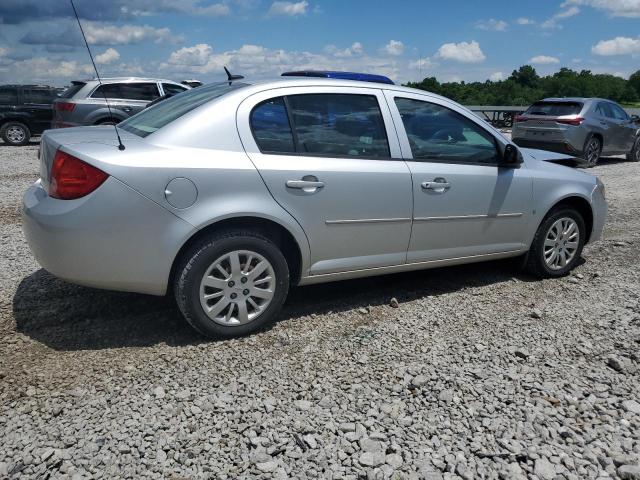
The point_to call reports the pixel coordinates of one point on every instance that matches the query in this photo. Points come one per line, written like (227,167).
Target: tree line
(525,86)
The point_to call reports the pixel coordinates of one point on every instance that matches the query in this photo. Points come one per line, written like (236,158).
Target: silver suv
(83,103)
(582,127)
(229,193)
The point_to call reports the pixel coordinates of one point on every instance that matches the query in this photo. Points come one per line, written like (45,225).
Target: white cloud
(465,52)
(214,10)
(525,21)
(195,56)
(615,8)
(394,47)
(99,33)
(110,55)
(617,46)
(492,24)
(3,51)
(569,11)
(544,60)
(355,49)
(45,70)
(496,76)
(288,8)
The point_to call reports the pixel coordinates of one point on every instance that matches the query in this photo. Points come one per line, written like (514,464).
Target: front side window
(338,125)
(439,134)
(619,113)
(8,96)
(38,95)
(270,126)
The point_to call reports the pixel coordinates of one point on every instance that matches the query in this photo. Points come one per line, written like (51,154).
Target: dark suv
(25,110)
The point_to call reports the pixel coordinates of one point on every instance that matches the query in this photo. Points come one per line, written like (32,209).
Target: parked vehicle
(193,83)
(584,127)
(83,103)
(231,192)
(25,110)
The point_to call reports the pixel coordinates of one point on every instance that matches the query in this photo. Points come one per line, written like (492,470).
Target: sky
(407,40)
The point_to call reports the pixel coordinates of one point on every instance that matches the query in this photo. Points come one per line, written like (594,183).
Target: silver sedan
(230,193)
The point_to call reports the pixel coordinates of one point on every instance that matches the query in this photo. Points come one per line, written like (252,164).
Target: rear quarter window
(8,96)
(72,90)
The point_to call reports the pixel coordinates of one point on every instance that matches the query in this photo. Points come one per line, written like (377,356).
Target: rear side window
(171,89)
(554,109)
(8,96)
(38,95)
(270,127)
(339,125)
(439,134)
(72,90)
(127,91)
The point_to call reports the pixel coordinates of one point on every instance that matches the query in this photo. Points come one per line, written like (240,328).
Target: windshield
(554,109)
(166,111)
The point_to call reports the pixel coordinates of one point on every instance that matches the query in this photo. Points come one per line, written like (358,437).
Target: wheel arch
(278,233)
(581,205)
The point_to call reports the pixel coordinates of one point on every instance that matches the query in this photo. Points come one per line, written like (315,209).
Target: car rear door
(465,203)
(330,156)
(612,131)
(38,104)
(136,95)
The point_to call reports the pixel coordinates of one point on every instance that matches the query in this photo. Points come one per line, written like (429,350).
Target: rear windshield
(166,111)
(72,90)
(554,109)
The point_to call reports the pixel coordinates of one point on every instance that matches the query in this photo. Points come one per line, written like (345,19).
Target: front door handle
(309,186)
(438,185)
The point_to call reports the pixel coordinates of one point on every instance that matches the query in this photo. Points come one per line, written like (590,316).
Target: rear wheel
(15,133)
(592,151)
(634,154)
(231,284)
(557,245)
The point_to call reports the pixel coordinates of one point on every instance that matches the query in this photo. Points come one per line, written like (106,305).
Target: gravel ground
(476,372)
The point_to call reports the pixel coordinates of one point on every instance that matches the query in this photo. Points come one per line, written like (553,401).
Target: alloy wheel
(561,243)
(593,151)
(237,288)
(15,134)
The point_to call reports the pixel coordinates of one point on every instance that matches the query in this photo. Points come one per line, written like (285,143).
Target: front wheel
(231,284)
(557,244)
(15,133)
(634,154)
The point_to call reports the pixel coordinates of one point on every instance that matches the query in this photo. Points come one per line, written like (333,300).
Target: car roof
(574,99)
(129,79)
(279,82)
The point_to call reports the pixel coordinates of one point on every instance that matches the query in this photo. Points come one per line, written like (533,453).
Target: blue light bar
(362,77)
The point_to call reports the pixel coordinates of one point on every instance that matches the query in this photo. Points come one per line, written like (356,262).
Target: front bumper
(114,238)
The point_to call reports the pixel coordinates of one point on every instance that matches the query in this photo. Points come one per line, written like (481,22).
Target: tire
(201,259)
(537,263)
(592,150)
(634,154)
(15,133)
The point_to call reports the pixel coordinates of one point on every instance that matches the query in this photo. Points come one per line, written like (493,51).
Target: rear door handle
(308,186)
(438,185)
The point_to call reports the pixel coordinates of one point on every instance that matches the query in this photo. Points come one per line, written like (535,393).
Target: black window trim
(297,153)
(496,143)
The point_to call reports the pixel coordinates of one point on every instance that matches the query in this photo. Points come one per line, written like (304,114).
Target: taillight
(521,118)
(72,178)
(64,106)
(570,121)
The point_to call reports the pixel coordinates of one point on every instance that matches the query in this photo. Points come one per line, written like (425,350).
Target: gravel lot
(478,373)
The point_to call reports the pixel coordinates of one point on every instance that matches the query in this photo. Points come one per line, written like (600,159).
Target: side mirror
(511,156)
(635,119)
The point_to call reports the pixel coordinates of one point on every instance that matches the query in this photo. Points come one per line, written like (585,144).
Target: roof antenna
(231,77)
(120,144)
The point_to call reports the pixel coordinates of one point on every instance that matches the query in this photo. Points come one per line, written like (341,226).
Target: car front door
(331,158)
(627,130)
(466,203)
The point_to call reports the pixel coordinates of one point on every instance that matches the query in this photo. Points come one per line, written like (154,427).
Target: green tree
(634,81)
(526,76)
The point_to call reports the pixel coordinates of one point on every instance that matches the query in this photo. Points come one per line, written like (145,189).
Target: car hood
(547,156)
